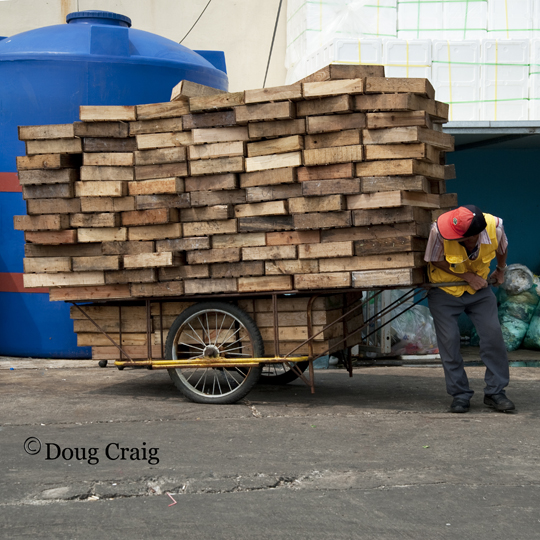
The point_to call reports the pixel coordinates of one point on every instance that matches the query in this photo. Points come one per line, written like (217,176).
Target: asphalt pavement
(90,452)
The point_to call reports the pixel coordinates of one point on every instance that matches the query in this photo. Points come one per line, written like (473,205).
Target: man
(461,246)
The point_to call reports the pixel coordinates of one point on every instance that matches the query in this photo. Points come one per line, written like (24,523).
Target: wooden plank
(160,156)
(403,214)
(375,231)
(395,85)
(118,130)
(106,234)
(208,286)
(371,262)
(288,334)
(216,102)
(166,170)
(208,256)
(91,340)
(149,260)
(274,161)
(329,203)
(328,105)
(51,237)
(90,264)
(54,191)
(328,250)
(214,198)
(146,202)
(321,89)
(105,292)
(345,186)
(385,278)
(265,224)
(156,186)
(176,273)
(239,240)
(275,93)
(322,221)
(448,200)
(290,267)
(106,173)
(101,144)
(292,238)
(129,326)
(54,146)
(295,319)
(127,248)
(139,275)
(48,176)
(169,109)
(183,244)
(107,204)
(48,161)
(68,250)
(216,150)
(55,131)
(237,269)
(389,245)
(409,134)
(155,232)
(279,110)
(330,280)
(156,216)
(276,128)
(371,184)
(107,113)
(214,182)
(220,134)
(292,303)
(272,208)
(207,228)
(94,220)
(63,279)
(264,283)
(326,172)
(284,175)
(187,89)
(134,351)
(327,156)
(217,166)
(380,120)
(208,120)
(402,151)
(386,199)
(168,288)
(53,206)
(109,313)
(207,213)
(161,125)
(271,193)
(265,253)
(49,222)
(333,123)
(334,72)
(47,265)
(150,141)
(111,159)
(100,189)
(402,102)
(400,167)
(275,146)
(337,138)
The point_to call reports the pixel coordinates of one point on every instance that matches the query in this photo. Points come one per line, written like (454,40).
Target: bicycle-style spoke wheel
(214,330)
(281,373)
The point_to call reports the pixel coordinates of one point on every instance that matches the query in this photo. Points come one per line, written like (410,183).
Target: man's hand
(475,281)
(497,277)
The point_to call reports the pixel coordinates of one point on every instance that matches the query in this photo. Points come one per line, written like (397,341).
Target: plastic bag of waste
(532,337)
(517,279)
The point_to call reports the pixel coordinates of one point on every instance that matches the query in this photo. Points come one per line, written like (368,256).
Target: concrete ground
(376,456)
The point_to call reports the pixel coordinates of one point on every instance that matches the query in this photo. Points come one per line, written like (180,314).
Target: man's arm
(474,280)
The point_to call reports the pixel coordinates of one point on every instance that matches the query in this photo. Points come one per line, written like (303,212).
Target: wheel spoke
(196,336)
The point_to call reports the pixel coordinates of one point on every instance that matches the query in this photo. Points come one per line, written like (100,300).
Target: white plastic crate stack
(534,81)
(419,19)
(465,20)
(455,74)
(403,58)
(511,19)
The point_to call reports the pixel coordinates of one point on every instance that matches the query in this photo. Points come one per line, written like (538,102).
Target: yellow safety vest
(457,257)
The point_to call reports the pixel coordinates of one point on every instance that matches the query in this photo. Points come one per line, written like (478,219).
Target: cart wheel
(281,373)
(206,331)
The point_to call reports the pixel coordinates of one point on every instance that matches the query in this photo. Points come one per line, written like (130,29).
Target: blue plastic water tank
(46,74)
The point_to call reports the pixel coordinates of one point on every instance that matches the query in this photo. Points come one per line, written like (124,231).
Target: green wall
(505,183)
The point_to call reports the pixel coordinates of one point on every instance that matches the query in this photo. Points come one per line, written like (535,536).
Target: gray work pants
(481,307)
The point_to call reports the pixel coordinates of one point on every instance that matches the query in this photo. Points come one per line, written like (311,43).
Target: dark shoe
(499,402)
(460,405)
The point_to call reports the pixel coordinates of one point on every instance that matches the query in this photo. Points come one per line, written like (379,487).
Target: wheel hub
(211,351)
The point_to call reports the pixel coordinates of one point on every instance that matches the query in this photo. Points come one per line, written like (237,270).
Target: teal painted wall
(505,183)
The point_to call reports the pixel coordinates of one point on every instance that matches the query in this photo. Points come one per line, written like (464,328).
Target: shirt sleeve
(435,245)
(502,240)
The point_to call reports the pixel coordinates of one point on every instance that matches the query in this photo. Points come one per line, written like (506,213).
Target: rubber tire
(283,378)
(253,374)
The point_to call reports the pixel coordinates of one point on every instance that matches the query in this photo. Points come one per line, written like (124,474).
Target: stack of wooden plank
(326,183)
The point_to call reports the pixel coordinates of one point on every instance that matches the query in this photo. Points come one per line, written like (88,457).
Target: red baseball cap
(461,223)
